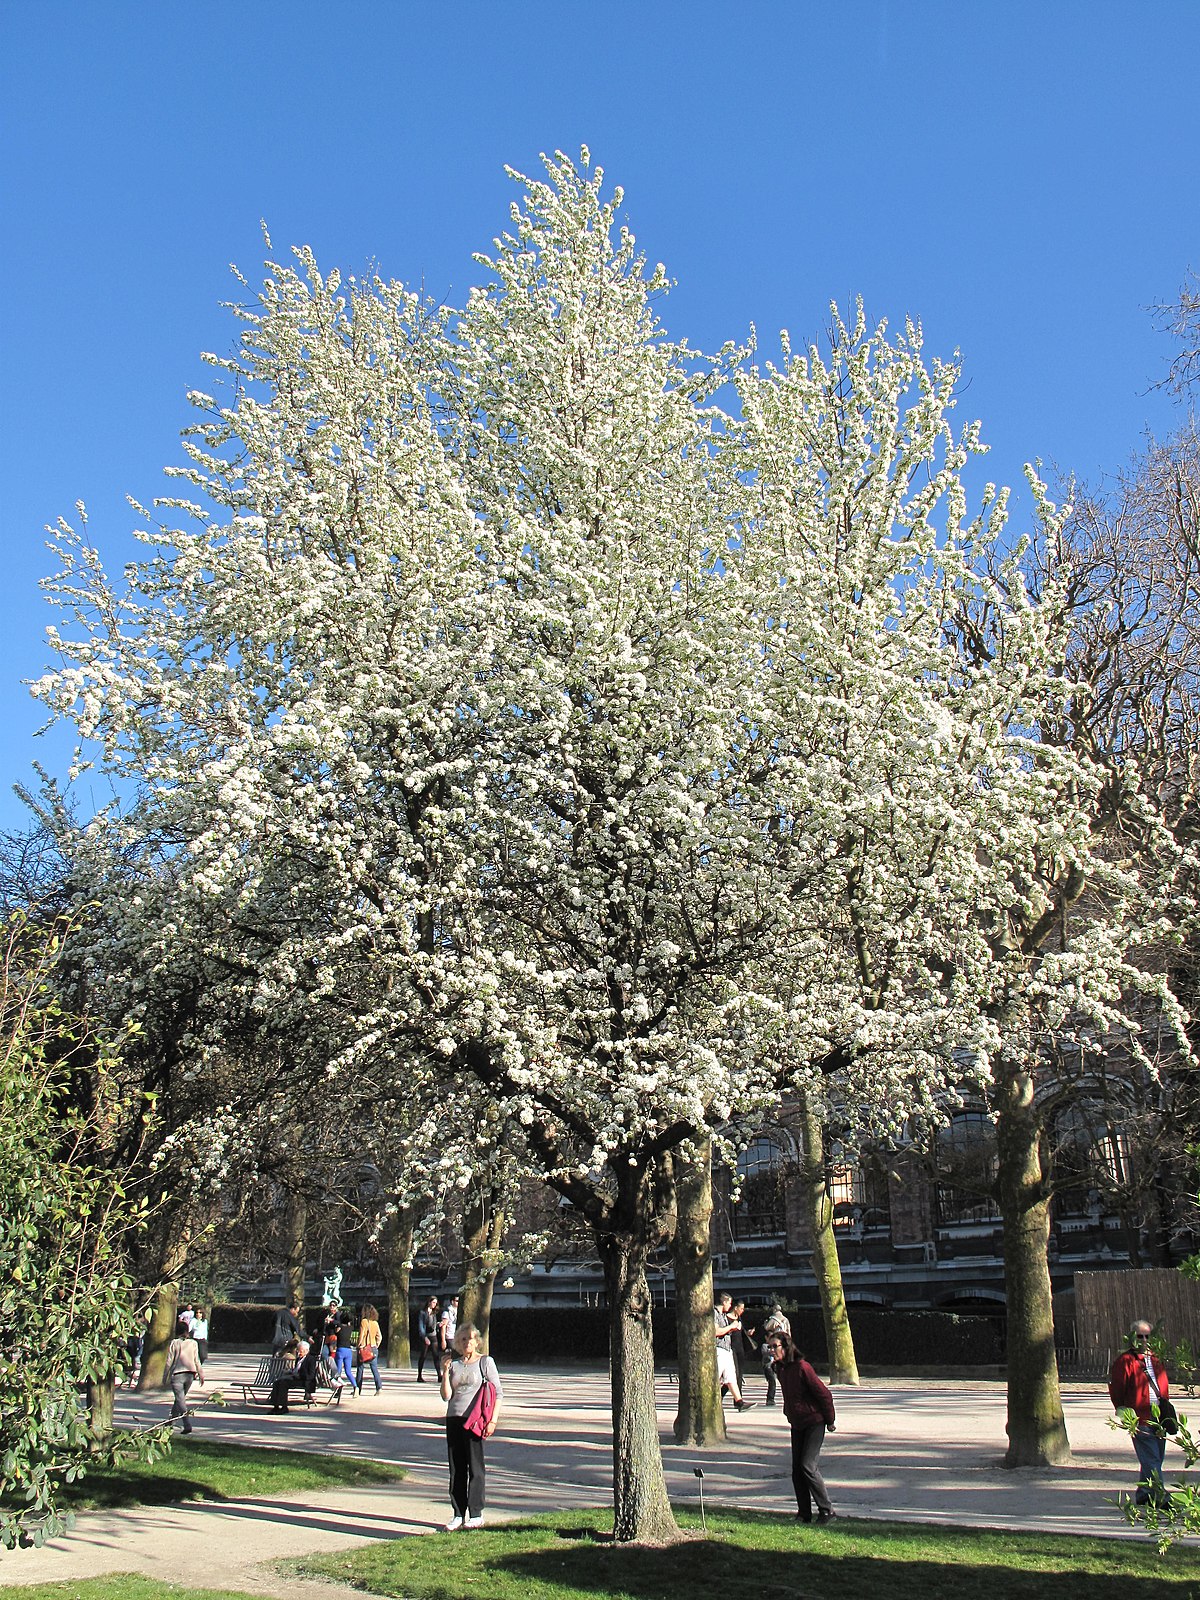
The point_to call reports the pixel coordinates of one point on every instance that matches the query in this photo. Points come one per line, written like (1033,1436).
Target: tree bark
(700,1419)
(100,1395)
(395,1257)
(160,1330)
(164,1308)
(1037,1431)
(295,1251)
(641,1509)
(839,1340)
(483,1229)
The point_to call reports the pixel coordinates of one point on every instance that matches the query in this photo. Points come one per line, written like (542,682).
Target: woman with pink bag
(471,1384)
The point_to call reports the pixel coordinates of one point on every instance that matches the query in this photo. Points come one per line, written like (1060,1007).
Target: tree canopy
(509,718)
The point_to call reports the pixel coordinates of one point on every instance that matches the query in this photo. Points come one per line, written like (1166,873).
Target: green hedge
(240,1327)
(906,1338)
(881,1338)
(521,1334)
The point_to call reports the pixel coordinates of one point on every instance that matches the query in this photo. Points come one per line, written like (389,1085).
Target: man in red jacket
(1138,1381)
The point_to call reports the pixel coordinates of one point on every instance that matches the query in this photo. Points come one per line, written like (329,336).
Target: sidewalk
(902,1449)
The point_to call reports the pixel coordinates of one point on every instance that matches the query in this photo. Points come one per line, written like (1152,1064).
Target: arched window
(859,1193)
(966,1170)
(758,1212)
(1091,1158)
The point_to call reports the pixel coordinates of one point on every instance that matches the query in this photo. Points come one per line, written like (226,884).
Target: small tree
(67,1300)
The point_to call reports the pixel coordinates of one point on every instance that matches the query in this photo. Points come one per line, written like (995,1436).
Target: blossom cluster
(505,712)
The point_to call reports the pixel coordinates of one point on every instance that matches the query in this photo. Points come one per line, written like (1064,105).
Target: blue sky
(1022,177)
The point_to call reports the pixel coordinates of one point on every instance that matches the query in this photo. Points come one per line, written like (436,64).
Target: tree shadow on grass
(594,1566)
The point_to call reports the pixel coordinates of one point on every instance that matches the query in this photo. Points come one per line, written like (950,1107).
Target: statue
(333,1288)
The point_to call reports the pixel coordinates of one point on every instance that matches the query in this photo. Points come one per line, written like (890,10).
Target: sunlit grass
(763,1554)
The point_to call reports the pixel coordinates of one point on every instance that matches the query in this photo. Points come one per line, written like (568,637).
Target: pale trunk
(483,1228)
(839,1341)
(160,1330)
(164,1312)
(1037,1431)
(700,1419)
(395,1256)
(641,1509)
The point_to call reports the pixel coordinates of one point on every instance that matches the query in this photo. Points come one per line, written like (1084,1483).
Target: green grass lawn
(204,1469)
(764,1555)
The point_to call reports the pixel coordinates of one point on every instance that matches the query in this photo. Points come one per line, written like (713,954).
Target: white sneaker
(474,1522)
(454,1524)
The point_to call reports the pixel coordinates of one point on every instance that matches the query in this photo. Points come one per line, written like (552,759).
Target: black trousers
(806,1477)
(279,1390)
(423,1355)
(465,1451)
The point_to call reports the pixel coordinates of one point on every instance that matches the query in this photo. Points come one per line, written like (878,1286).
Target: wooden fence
(1108,1303)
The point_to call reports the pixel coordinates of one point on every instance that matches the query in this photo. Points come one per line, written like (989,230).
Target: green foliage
(66,1217)
(1191,1267)
(1175,1514)
(567,1557)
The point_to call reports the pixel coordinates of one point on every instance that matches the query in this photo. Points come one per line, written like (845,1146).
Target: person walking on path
(426,1337)
(724,1324)
(370,1335)
(343,1351)
(775,1322)
(184,1368)
(461,1380)
(1137,1381)
(329,1330)
(740,1342)
(199,1332)
(808,1407)
(447,1325)
(287,1328)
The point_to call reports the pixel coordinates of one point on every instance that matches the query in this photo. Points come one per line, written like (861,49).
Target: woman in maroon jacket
(808,1407)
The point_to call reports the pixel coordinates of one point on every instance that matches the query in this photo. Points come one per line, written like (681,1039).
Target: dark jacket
(806,1400)
(286,1327)
(302,1376)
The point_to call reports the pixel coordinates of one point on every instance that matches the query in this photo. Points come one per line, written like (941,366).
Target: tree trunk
(641,1509)
(395,1257)
(164,1308)
(818,1208)
(700,1419)
(160,1330)
(1037,1431)
(296,1253)
(483,1229)
(100,1395)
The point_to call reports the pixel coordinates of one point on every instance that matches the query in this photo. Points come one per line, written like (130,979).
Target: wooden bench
(271,1368)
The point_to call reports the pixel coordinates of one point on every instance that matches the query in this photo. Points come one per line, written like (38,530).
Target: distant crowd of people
(347,1349)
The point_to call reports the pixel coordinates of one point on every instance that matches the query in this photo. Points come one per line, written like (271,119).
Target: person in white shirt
(724,1323)
(447,1325)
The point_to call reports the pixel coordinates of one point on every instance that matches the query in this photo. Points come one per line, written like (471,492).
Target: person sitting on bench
(302,1376)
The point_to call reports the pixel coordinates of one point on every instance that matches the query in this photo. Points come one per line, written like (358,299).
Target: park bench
(271,1368)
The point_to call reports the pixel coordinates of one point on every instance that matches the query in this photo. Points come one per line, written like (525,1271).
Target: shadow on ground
(802,1575)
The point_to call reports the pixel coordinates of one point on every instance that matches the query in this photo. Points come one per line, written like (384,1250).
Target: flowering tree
(523,731)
